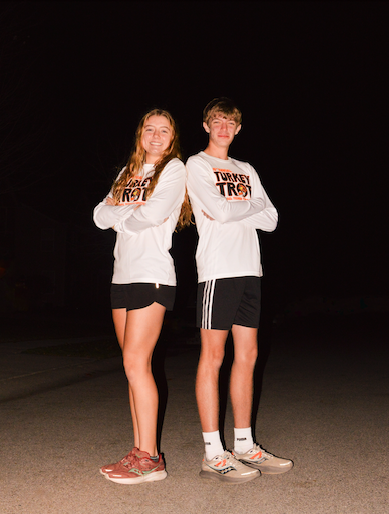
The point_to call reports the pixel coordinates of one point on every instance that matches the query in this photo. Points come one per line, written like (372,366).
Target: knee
(129,368)
(135,365)
(247,357)
(212,358)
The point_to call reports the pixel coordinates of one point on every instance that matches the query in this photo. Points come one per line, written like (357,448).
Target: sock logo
(208,443)
(242,439)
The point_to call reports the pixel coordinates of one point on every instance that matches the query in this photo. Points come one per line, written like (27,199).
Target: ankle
(213,444)
(243,440)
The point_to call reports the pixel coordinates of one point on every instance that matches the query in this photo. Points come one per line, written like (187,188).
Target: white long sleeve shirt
(230,192)
(143,237)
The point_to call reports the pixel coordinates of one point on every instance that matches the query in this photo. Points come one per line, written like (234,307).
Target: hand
(208,216)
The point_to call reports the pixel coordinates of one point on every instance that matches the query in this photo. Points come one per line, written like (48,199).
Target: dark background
(310,78)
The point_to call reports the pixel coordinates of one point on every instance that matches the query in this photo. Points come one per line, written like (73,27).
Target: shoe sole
(225,478)
(267,470)
(151,477)
(275,471)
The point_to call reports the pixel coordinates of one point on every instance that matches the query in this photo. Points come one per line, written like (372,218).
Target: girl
(145,205)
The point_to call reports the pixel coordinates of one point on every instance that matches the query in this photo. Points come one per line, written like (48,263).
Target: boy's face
(221,130)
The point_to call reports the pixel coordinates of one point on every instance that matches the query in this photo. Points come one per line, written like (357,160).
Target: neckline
(216,158)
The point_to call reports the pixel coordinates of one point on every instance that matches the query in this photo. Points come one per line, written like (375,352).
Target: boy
(229,204)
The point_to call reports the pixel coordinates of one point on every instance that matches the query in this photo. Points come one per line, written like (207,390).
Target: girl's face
(156,137)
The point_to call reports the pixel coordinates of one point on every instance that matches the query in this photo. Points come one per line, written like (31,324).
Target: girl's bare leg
(119,317)
(142,330)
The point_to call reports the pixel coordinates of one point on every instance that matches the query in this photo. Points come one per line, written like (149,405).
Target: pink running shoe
(111,467)
(135,468)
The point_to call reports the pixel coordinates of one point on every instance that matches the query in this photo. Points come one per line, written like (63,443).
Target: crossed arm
(257,212)
(132,219)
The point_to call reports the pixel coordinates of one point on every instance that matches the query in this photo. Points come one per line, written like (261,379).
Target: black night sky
(311,78)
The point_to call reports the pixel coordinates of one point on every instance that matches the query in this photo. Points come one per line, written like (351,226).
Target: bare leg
(142,330)
(207,381)
(241,381)
(119,317)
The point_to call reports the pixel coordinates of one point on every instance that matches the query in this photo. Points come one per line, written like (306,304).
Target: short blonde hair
(223,106)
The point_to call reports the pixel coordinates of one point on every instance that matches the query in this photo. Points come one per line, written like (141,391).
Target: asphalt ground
(322,400)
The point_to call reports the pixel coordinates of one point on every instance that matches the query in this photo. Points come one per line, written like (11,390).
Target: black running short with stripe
(224,302)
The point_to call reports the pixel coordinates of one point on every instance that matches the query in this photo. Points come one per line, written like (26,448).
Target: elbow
(103,224)
(96,221)
(100,225)
(96,218)
(273,222)
(272,227)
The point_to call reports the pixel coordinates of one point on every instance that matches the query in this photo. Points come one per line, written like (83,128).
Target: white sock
(213,444)
(243,440)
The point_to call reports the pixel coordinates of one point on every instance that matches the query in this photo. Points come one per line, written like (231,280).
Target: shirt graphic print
(135,191)
(234,186)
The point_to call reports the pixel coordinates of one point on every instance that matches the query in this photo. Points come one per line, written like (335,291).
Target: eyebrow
(223,118)
(162,126)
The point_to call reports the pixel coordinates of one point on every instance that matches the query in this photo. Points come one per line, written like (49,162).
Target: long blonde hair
(137,160)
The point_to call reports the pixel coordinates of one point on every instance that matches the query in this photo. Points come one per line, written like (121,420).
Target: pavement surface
(322,393)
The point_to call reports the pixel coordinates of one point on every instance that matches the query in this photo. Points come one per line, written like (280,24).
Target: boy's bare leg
(242,374)
(207,381)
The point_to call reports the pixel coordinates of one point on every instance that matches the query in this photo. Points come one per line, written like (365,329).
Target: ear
(206,128)
(238,129)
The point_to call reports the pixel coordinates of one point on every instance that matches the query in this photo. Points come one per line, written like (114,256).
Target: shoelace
(265,454)
(129,460)
(228,458)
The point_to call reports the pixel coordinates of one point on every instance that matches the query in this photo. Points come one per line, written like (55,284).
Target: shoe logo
(256,456)
(226,470)
(141,472)
(222,467)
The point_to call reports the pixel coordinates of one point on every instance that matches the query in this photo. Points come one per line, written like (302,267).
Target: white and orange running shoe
(226,468)
(267,463)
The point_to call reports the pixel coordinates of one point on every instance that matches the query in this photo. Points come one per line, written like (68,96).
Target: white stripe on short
(209,291)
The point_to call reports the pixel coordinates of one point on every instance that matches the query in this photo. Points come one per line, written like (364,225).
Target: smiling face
(156,137)
(221,130)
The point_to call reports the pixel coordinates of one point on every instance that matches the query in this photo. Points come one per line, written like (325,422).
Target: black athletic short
(140,295)
(224,302)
